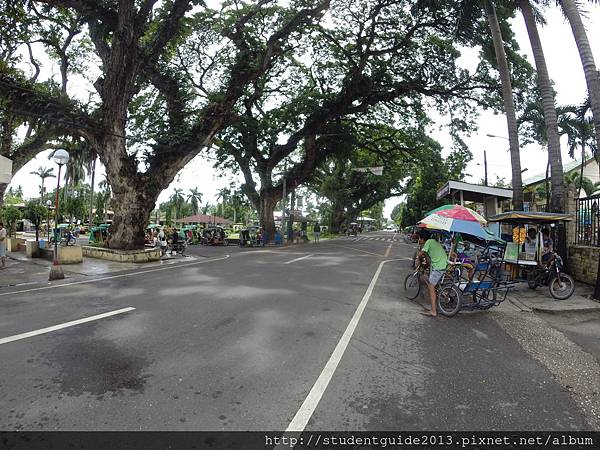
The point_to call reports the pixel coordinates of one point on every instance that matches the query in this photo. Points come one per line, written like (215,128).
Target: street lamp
(48,206)
(496,136)
(60,157)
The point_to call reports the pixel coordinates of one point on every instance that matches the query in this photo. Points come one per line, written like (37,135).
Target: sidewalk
(540,299)
(23,271)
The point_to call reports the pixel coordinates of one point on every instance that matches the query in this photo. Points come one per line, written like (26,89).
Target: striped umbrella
(458,219)
(458,212)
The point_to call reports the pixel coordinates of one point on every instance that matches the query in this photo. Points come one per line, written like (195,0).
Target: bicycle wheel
(449,299)
(563,288)
(412,285)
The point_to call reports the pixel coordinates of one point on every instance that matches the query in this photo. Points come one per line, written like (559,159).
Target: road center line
(387,252)
(355,249)
(18,337)
(298,259)
(311,402)
(112,277)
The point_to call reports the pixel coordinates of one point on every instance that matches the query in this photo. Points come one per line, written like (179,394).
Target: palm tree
(588,186)
(195,197)
(591,78)
(589,68)
(558,200)
(468,13)
(43,173)
(580,133)
(177,201)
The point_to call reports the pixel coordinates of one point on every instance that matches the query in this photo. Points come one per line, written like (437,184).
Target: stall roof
(473,192)
(530,217)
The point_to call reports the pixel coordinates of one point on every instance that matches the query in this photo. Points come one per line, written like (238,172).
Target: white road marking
(355,249)
(55,286)
(18,337)
(311,402)
(298,259)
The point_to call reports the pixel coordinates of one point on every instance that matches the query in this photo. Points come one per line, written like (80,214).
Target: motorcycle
(561,285)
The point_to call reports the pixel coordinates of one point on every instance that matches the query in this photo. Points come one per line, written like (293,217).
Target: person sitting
(548,249)
(467,258)
(531,241)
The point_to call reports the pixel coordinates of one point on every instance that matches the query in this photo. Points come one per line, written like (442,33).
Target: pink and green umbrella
(458,219)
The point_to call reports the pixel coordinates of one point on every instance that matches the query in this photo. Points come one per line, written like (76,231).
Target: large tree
(392,57)
(23,28)
(150,115)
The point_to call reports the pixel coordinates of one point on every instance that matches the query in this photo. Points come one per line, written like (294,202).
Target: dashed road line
(298,259)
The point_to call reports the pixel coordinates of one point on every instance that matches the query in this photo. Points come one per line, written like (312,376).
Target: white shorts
(435,276)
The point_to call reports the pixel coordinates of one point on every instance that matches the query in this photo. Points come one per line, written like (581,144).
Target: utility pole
(485,167)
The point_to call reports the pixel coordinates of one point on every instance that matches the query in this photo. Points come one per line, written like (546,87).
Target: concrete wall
(14,244)
(70,254)
(583,263)
(139,256)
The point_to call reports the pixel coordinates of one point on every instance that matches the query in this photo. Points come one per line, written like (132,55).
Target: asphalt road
(236,339)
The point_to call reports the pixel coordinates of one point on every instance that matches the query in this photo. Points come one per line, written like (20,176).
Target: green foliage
(100,200)
(13,196)
(421,197)
(36,212)
(10,215)
(74,208)
(397,212)
(583,183)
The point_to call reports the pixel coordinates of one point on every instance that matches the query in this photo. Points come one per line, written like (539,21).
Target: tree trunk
(509,106)
(131,216)
(547,185)
(557,178)
(266,206)
(581,170)
(3,187)
(337,218)
(92,192)
(592,79)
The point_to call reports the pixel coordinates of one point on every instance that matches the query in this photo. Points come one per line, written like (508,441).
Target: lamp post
(496,136)
(60,157)
(48,206)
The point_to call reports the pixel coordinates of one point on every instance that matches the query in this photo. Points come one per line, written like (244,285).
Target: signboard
(5,170)
(445,190)
(511,253)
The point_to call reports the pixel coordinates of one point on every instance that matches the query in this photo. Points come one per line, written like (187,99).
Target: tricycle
(531,255)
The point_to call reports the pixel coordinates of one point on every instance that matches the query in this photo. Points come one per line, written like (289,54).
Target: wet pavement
(235,339)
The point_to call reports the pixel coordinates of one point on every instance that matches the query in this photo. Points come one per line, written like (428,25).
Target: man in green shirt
(439,262)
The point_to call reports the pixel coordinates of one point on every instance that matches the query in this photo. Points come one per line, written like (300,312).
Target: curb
(566,310)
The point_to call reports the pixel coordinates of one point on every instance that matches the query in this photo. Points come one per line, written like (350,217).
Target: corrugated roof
(566,168)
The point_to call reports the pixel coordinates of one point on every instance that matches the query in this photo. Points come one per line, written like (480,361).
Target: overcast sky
(565,70)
